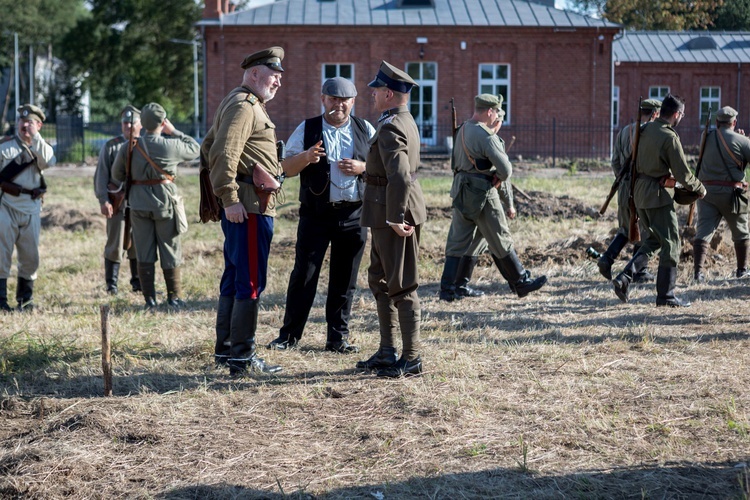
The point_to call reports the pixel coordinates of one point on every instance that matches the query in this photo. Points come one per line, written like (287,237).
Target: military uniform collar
(253,97)
(391,112)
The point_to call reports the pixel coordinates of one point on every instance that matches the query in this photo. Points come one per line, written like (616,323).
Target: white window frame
(710,101)
(496,82)
(423,84)
(615,106)
(337,68)
(658,92)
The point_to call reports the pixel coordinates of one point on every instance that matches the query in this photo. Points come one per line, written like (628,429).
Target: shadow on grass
(672,480)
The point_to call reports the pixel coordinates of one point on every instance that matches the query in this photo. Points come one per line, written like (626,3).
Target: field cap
(153,115)
(488,101)
(393,78)
(130,114)
(650,104)
(726,114)
(31,112)
(339,87)
(270,57)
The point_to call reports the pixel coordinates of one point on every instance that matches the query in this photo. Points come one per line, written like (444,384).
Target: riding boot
(111,273)
(4,306)
(608,257)
(642,276)
(135,282)
(666,278)
(146,275)
(25,294)
(622,282)
(520,279)
(448,279)
(741,249)
(504,274)
(466,267)
(700,249)
(242,357)
(223,326)
(172,279)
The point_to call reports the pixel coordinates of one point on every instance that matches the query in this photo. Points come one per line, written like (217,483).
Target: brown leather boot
(741,250)
(172,278)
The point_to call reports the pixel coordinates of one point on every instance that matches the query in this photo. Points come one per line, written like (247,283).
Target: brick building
(554,67)
(708,69)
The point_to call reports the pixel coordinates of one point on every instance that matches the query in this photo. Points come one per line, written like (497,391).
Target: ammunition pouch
(116,196)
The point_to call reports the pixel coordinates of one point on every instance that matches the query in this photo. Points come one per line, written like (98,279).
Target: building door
(423,99)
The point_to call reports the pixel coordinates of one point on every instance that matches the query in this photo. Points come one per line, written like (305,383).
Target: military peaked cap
(650,104)
(130,114)
(153,115)
(726,114)
(488,101)
(270,57)
(339,87)
(30,111)
(393,78)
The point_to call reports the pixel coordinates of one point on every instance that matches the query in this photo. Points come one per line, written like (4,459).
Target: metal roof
(683,46)
(511,13)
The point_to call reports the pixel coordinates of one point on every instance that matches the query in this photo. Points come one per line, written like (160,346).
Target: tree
(734,15)
(675,15)
(126,55)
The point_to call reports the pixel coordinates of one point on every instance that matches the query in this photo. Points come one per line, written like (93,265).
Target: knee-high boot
(608,257)
(242,357)
(223,326)
(25,294)
(111,275)
(519,279)
(4,306)
(666,278)
(135,282)
(466,267)
(173,281)
(700,250)
(448,279)
(623,280)
(740,250)
(146,275)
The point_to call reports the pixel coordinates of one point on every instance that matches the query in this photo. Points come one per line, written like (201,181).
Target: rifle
(454,130)
(634,232)
(691,212)
(126,240)
(618,180)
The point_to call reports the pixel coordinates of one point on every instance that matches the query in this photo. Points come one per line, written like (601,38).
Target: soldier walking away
(723,173)
(156,208)
(242,159)
(621,165)
(22,159)
(482,170)
(660,162)
(394,210)
(104,188)
(328,152)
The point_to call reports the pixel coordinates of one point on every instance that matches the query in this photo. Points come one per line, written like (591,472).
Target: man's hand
(168,127)
(235,213)
(511,213)
(404,230)
(351,167)
(315,152)
(106,209)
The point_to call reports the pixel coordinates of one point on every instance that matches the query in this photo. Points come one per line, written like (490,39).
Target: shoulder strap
(152,162)
(15,167)
(726,146)
(463,143)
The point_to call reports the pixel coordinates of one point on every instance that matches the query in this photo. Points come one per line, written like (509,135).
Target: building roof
(683,46)
(510,13)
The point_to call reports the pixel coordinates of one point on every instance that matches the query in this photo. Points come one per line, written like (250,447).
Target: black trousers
(318,228)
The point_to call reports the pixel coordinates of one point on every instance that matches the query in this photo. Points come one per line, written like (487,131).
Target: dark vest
(314,187)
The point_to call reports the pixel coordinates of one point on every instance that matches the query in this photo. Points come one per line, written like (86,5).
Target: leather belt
(730,184)
(150,182)
(344,204)
(475,174)
(374,180)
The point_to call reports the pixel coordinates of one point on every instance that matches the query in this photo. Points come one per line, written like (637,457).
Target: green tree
(123,54)
(734,15)
(654,14)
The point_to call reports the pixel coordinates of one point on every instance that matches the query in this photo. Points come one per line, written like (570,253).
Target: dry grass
(567,393)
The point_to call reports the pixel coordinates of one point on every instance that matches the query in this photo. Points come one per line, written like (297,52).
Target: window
(334,70)
(615,106)
(423,99)
(495,79)
(710,98)
(658,92)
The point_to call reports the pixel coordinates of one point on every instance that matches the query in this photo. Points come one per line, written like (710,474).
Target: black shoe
(112,289)
(282,344)
(527,285)
(241,367)
(26,307)
(742,273)
(621,285)
(605,266)
(643,277)
(699,277)
(176,303)
(150,304)
(671,302)
(448,295)
(341,347)
(221,359)
(5,307)
(383,358)
(402,368)
(467,291)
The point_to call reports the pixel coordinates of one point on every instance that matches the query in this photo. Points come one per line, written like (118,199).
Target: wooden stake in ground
(106,350)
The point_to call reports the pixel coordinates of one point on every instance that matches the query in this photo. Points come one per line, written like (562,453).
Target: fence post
(554,141)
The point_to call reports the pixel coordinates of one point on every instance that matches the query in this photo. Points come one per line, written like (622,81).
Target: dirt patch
(71,219)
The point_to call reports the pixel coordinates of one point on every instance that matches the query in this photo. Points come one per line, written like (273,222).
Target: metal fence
(550,142)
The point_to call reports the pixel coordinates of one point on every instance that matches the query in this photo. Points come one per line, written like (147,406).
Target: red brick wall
(562,75)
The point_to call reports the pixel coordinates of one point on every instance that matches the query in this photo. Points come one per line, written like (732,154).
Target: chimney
(212,10)
(232,6)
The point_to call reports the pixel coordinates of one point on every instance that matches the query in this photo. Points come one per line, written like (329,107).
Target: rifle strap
(152,162)
(737,162)
(14,168)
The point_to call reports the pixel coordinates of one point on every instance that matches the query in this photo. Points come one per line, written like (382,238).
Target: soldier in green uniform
(130,124)
(723,173)
(22,159)
(621,160)
(480,164)
(154,200)
(660,157)
(240,148)
(394,210)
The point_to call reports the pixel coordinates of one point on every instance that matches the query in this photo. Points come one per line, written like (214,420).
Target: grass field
(567,393)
